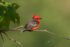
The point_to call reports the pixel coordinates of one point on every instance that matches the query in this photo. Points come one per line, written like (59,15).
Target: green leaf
(7,14)
(16,6)
(17,18)
(1,19)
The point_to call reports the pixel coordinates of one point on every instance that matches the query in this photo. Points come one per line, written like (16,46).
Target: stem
(2,39)
(17,42)
(45,31)
(19,27)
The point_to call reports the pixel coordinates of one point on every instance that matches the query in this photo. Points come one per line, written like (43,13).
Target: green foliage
(8,13)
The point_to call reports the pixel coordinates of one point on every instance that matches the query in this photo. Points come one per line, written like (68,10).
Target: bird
(33,24)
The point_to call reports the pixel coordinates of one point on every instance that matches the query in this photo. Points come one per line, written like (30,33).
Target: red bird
(34,24)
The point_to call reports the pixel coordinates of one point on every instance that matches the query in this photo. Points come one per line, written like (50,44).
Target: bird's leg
(17,42)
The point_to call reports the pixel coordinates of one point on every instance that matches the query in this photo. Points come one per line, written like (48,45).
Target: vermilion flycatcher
(34,24)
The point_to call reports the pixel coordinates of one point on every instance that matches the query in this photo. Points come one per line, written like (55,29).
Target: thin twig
(45,31)
(2,39)
(17,42)
(21,26)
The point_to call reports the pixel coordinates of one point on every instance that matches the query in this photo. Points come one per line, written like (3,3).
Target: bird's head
(37,17)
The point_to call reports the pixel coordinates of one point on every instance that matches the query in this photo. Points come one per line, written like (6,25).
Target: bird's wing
(30,25)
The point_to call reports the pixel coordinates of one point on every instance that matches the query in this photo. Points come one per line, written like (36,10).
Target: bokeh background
(56,18)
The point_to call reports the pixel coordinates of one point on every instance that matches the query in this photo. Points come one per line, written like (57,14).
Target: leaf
(17,18)
(1,19)
(8,14)
(16,6)
(11,13)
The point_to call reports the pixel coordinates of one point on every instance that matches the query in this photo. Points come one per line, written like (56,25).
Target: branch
(45,31)
(21,26)
(17,42)
(12,29)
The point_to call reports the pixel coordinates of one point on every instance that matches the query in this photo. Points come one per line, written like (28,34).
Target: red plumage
(34,24)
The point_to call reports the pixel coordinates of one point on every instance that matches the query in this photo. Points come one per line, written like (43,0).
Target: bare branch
(2,39)
(44,31)
(17,42)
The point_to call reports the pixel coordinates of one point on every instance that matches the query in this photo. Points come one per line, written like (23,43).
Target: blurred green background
(56,18)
